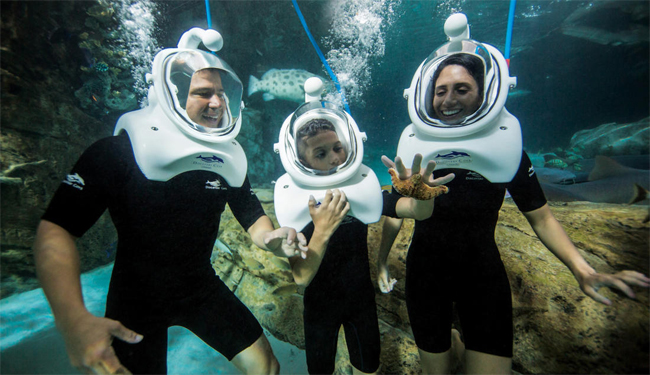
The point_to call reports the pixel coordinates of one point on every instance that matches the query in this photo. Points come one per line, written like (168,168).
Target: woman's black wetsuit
(454,258)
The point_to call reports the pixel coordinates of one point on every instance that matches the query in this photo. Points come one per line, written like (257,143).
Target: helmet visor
(189,71)
(489,83)
(311,119)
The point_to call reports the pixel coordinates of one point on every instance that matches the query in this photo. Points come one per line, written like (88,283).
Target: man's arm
(283,242)
(553,236)
(87,337)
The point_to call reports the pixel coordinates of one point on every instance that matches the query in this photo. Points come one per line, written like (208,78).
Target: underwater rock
(41,122)
(557,328)
(614,139)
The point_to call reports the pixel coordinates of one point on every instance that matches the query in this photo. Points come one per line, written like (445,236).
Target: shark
(608,182)
(286,84)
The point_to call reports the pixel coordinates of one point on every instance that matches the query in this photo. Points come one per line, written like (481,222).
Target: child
(339,290)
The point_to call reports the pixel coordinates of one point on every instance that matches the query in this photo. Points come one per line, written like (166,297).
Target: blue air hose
(207,12)
(322,57)
(511,20)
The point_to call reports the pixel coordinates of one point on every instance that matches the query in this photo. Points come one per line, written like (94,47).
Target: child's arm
(389,232)
(326,218)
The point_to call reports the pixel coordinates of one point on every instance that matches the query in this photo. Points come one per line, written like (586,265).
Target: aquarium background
(73,67)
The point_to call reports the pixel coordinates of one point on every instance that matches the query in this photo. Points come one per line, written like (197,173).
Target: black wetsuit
(342,293)
(166,231)
(454,258)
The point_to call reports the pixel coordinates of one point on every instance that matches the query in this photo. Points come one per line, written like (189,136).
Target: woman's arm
(553,236)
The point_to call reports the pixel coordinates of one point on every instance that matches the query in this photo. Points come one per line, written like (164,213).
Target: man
(165,177)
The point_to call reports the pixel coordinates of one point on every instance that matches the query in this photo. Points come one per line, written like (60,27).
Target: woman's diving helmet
(293,189)
(167,140)
(487,141)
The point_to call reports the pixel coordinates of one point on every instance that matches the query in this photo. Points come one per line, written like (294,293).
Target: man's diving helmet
(358,181)
(165,140)
(172,73)
(487,141)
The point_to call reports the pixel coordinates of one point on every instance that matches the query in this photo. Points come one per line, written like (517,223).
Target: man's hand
(88,343)
(282,242)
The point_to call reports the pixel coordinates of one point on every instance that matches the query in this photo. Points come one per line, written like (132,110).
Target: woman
(453,257)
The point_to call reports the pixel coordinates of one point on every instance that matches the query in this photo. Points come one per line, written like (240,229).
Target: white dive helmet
(487,141)
(166,142)
(171,75)
(358,181)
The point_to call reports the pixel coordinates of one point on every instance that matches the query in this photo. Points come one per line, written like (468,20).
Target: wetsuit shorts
(215,315)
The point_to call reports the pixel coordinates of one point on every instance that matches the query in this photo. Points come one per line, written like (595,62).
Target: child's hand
(327,215)
(386,283)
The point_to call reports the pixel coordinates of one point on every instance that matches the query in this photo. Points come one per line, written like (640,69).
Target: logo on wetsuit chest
(214,185)
(531,171)
(473,176)
(75,181)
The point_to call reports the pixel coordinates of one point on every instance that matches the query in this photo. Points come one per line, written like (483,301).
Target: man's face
(206,101)
(322,151)
(456,95)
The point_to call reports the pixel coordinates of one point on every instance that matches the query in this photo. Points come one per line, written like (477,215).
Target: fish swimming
(286,84)
(286,290)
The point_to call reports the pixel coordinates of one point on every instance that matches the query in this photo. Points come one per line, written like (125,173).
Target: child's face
(322,151)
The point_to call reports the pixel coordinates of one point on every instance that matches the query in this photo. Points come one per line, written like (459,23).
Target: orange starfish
(415,188)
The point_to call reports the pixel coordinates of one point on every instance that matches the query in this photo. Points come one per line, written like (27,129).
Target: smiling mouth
(451,113)
(211,118)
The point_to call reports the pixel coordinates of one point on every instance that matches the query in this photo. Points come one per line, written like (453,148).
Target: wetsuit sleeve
(82,196)
(525,188)
(245,206)
(390,203)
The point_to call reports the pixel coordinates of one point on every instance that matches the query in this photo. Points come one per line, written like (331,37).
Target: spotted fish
(286,84)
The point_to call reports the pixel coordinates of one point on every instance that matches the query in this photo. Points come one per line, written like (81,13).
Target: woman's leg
(257,358)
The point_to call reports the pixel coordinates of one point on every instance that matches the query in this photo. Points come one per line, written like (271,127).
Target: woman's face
(456,95)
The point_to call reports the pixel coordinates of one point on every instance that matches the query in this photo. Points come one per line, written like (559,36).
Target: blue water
(30,344)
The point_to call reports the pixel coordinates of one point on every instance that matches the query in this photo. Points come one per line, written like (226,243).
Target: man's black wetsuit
(166,230)
(342,293)
(454,258)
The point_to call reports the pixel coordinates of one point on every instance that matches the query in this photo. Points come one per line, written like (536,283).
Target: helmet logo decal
(453,155)
(453,158)
(211,159)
